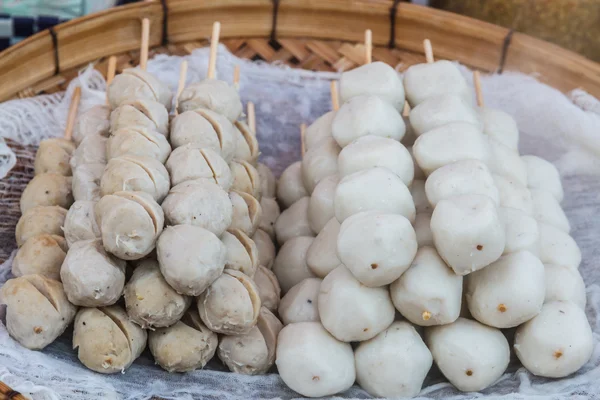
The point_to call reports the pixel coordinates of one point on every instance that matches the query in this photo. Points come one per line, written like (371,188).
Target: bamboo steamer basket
(323,35)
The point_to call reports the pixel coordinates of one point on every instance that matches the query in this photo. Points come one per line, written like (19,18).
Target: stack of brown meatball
(156,245)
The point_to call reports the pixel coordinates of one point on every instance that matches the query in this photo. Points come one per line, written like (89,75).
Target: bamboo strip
(72,113)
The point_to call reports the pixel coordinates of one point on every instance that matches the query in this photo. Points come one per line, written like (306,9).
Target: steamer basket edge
(313,36)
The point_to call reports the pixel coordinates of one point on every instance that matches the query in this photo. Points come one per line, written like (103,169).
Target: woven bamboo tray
(310,34)
(322,35)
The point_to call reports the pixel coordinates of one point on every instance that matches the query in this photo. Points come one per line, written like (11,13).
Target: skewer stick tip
(406,110)
(302,142)
(236,77)
(368,46)
(214,43)
(335,101)
(428,51)
(111,70)
(181,84)
(251,117)
(145,43)
(478,91)
(72,113)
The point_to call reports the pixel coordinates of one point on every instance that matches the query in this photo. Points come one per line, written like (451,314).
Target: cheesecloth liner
(565,130)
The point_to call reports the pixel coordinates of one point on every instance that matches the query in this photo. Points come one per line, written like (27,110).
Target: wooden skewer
(406,110)
(110,73)
(145,43)
(368,46)
(478,91)
(236,78)
(214,43)
(428,51)
(251,117)
(112,69)
(72,113)
(302,143)
(181,85)
(335,100)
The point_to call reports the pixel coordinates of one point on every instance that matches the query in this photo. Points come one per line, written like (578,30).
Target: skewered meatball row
(458,221)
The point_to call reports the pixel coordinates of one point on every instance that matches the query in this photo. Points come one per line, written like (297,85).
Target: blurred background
(573,24)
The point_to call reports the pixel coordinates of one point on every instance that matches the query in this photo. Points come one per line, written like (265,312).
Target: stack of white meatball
(181,284)
(468,241)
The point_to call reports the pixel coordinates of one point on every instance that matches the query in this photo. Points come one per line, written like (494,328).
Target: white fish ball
(293,222)
(500,126)
(375,189)
(322,255)
(521,230)
(508,292)
(461,177)
(290,264)
(557,342)
(376,151)
(351,311)
(429,292)
(300,303)
(366,115)
(467,232)
(506,162)
(440,110)
(291,186)
(318,130)
(312,362)
(472,356)
(422,81)
(319,162)
(376,247)
(546,209)
(543,175)
(376,78)
(394,363)
(513,194)
(557,247)
(449,143)
(320,206)
(564,284)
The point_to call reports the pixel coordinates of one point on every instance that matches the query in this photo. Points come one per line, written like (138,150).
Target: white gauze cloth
(565,130)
